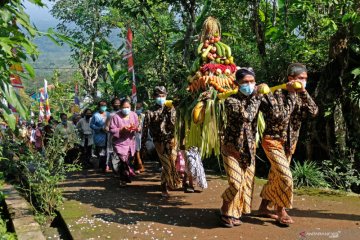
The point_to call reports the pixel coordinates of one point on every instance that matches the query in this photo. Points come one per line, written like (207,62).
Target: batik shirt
(240,131)
(276,125)
(294,108)
(160,120)
(305,107)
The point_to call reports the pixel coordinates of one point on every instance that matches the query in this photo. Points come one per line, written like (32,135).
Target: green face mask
(103,108)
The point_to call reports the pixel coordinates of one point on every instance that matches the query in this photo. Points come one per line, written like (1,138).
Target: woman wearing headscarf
(123,126)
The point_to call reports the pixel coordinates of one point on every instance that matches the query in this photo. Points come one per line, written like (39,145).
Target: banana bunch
(213,50)
(198,113)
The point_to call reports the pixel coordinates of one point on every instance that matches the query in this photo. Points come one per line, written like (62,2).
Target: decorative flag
(15,79)
(16,83)
(32,115)
(41,107)
(129,56)
(47,104)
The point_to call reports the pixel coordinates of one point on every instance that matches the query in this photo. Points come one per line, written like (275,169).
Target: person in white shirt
(86,137)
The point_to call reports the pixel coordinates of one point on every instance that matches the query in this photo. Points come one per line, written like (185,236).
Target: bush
(341,174)
(38,175)
(4,234)
(308,175)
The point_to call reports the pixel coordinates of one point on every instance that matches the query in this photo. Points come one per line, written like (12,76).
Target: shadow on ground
(141,202)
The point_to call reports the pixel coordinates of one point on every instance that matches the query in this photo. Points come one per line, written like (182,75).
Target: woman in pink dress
(123,126)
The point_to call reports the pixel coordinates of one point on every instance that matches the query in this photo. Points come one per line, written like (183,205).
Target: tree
(89,24)
(16,46)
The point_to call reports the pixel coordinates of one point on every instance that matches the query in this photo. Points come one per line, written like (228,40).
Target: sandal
(285,221)
(188,188)
(267,215)
(226,221)
(236,221)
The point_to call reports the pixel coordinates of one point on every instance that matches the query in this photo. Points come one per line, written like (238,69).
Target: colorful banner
(47,104)
(41,106)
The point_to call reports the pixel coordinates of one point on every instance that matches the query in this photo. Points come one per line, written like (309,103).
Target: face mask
(88,116)
(247,88)
(64,122)
(303,82)
(103,108)
(160,100)
(116,107)
(125,111)
(139,111)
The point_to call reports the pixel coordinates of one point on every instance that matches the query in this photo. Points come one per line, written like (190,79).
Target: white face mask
(303,82)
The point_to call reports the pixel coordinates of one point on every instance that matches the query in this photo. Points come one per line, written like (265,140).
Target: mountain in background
(51,55)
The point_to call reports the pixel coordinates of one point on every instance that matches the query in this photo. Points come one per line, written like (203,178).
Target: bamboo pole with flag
(41,106)
(129,56)
(47,104)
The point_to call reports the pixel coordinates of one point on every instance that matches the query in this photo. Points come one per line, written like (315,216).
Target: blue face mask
(64,122)
(139,111)
(125,111)
(247,89)
(160,100)
(103,108)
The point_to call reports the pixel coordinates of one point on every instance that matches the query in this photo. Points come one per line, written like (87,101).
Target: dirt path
(96,208)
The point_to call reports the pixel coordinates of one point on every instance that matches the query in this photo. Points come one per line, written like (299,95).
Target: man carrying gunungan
(279,143)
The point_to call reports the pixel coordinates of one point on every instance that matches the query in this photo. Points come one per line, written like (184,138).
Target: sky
(40,16)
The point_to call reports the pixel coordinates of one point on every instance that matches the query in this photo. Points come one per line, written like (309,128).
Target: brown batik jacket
(294,108)
(239,134)
(160,121)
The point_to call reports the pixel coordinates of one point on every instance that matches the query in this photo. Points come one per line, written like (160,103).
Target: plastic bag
(180,162)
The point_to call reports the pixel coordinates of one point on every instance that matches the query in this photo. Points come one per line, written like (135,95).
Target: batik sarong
(279,188)
(240,191)
(167,156)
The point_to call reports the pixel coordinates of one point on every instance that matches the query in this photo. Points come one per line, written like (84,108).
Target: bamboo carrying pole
(266,89)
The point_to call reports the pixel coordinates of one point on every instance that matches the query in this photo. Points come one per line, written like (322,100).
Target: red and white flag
(129,56)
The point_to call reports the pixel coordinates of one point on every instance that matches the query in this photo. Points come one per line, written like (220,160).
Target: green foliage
(15,46)
(38,175)
(308,175)
(118,83)
(4,234)
(62,96)
(92,23)
(341,174)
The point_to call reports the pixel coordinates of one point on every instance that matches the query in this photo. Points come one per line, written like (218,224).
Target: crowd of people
(119,137)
